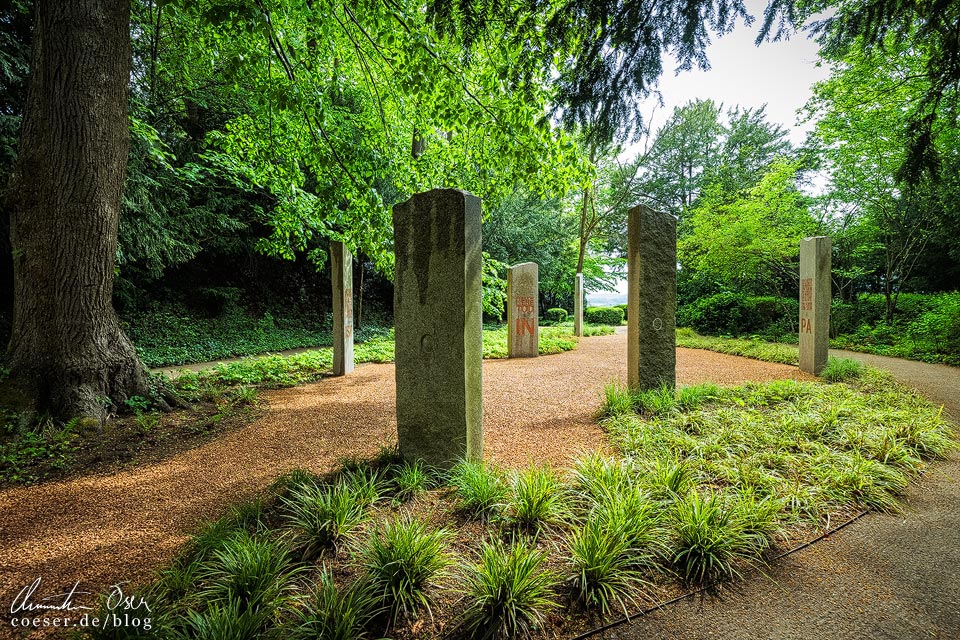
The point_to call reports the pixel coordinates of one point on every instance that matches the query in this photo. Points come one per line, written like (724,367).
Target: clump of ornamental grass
(597,477)
(610,552)
(479,489)
(254,571)
(409,480)
(364,482)
(323,516)
(841,370)
(222,621)
(401,558)
(536,497)
(509,591)
(616,400)
(334,613)
(709,540)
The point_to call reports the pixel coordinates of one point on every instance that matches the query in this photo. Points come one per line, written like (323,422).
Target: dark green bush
(556,315)
(623,307)
(603,315)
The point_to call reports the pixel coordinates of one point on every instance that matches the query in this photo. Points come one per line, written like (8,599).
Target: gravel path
(887,576)
(103,529)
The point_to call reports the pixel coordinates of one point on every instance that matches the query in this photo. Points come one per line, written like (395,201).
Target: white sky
(778,74)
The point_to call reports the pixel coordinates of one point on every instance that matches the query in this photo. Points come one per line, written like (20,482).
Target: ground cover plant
(705,483)
(747,347)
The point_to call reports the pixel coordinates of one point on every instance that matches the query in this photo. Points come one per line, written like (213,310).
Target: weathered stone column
(578,306)
(651,298)
(523,316)
(341,275)
(815,296)
(439,340)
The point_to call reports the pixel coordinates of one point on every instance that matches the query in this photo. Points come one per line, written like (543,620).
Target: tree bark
(67,348)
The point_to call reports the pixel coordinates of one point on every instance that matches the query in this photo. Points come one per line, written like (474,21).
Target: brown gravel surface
(103,529)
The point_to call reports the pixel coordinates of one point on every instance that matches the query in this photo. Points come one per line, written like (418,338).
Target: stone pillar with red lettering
(523,326)
(815,297)
(341,275)
(651,299)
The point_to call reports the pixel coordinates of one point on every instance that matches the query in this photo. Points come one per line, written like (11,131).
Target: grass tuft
(536,497)
(333,613)
(509,593)
(401,559)
(323,516)
(479,488)
(841,370)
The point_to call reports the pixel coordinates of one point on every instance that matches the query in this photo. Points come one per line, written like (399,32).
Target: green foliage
(252,571)
(322,516)
(400,559)
(480,489)
(494,287)
(173,335)
(604,315)
(551,340)
(769,352)
(334,613)
(509,593)
(556,315)
(841,370)
(774,453)
(709,539)
(537,497)
(409,480)
(604,574)
(29,452)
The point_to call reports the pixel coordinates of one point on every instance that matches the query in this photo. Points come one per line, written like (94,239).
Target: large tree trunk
(67,347)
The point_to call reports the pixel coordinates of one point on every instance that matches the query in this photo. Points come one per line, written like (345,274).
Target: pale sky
(778,74)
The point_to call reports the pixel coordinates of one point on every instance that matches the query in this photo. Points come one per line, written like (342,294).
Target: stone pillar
(815,296)
(523,316)
(651,298)
(438,309)
(341,274)
(578,306)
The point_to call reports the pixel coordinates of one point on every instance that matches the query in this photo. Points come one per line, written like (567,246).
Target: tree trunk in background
(67,348)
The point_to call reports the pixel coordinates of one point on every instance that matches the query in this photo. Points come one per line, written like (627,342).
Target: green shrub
(536,497)
(479,489)
(556,315)
(709,540)
(332,613)
(603,315)
(508,591)
(251,570)
(722,313)
(623,307)
(400,559)
(323,516)
(841,370)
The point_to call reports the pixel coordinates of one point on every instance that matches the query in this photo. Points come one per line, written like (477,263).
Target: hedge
(603,315)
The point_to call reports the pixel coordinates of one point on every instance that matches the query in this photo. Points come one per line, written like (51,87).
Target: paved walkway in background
(886,576)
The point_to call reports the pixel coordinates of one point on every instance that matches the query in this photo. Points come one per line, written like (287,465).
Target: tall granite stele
(815,296)
(651,299)
(341,275)
(438,315)
(578,306)
(523,317)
